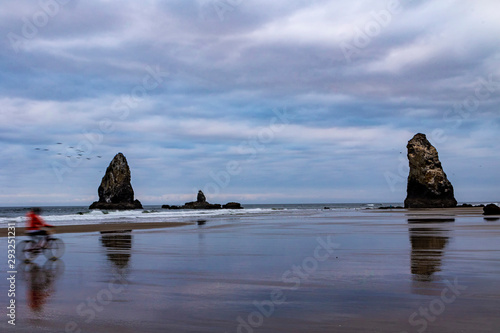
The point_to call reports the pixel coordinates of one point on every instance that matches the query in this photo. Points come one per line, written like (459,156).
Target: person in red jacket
(34,222)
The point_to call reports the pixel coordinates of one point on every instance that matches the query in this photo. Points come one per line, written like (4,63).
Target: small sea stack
(115,191)
(202,203)
(232,205)
(428,186)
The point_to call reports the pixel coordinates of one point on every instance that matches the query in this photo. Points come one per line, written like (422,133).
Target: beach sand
(326,271)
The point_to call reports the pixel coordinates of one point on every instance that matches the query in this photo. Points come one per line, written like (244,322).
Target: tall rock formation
(428,186)
(115,191)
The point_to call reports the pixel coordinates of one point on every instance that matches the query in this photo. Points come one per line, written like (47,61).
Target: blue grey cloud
(313,101)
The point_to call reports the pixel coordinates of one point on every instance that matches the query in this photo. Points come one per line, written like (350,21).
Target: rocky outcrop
(115,191)
(232,205)
(170,207)
(202,203)
(491,209)
(428,186)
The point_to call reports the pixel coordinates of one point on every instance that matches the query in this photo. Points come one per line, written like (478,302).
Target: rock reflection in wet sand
(427,249)
(118,246)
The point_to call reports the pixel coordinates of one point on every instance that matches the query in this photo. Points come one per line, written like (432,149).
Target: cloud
(228,73)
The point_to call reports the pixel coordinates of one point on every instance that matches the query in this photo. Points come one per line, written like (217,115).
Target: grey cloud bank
(428,67)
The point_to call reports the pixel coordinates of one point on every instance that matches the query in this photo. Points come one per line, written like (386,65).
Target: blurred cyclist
(34,222)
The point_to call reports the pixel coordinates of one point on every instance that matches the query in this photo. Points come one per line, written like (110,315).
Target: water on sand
(299,271)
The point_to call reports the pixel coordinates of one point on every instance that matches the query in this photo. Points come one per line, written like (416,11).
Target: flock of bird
(79,152)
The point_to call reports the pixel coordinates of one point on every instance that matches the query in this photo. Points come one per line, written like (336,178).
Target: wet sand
(327,271)
(64,229)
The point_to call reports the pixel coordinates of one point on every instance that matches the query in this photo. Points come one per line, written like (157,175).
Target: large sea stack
(115,191)
(428,186)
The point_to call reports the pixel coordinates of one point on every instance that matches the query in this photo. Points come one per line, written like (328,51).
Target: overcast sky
(249,100)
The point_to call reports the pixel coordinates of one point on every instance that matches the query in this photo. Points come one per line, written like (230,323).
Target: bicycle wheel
(27,250)
(54,249)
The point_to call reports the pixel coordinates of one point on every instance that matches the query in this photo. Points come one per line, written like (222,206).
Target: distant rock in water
(491,209)
(170,207)
(428,186)
(232,205)
(202,203)
(115,191)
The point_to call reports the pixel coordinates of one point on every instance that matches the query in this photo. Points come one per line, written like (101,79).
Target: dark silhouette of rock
(201,197)
(491,209)
(232,205)
(170,207)
(466,205)
(428,186)
(115,191)
(202,203)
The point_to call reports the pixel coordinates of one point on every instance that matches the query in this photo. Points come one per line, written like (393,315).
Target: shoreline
(410,212)
(82,228)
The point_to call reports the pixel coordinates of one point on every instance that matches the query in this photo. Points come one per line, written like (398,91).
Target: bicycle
(52,248)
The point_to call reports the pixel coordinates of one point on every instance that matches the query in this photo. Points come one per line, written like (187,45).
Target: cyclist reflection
(40,282)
